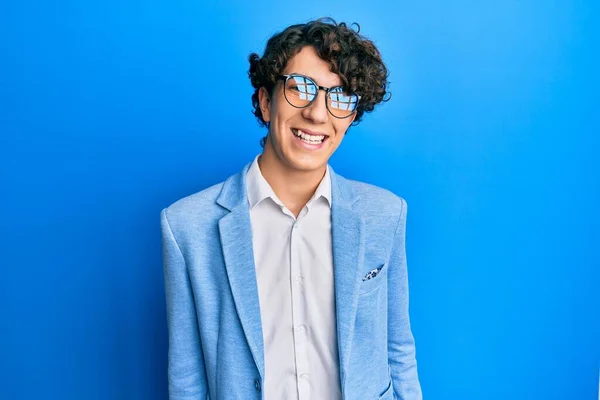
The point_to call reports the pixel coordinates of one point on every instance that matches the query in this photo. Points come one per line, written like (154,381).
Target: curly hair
(351,56)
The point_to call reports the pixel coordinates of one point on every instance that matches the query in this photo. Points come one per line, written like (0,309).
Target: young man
(288,281)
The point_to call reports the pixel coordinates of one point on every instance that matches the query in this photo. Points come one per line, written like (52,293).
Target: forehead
(307,62)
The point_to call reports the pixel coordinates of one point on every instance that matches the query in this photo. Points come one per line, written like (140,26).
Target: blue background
(111,110)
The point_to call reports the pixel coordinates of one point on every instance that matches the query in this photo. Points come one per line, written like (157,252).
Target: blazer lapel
(348,255)
(236,241)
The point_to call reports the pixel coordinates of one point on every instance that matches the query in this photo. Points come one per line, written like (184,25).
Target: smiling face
(287,123)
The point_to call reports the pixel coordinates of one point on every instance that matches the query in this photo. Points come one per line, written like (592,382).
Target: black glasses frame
(285,78)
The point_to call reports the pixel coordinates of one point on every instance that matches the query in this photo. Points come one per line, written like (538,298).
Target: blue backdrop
(111,110)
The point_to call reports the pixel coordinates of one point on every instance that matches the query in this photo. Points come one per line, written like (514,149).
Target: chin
(307,164)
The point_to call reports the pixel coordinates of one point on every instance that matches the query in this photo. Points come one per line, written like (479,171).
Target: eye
(341,100)
(339,90)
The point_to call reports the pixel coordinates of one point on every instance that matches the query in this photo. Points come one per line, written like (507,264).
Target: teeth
(312,139)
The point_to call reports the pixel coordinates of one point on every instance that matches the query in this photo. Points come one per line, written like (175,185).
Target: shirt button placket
(299,318)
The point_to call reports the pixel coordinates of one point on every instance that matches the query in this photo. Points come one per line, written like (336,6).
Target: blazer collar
(348,254)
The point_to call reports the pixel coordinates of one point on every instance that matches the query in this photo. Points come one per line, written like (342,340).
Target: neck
(292,186)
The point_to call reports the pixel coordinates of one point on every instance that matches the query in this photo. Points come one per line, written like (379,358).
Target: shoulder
(378,199)
(382,211)
(194,210)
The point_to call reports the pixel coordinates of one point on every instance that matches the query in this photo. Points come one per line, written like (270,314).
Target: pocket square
(372,274)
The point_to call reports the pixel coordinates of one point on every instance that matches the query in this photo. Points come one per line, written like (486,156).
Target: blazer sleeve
(186,369)
(401,344)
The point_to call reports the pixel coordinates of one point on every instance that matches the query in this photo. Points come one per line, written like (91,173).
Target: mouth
(309,139)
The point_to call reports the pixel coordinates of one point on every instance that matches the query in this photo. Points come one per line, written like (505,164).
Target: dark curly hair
(351,56)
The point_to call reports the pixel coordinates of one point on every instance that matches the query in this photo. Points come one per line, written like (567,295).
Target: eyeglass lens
(300,91)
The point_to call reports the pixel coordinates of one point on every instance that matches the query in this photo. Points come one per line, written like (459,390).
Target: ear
(265,104)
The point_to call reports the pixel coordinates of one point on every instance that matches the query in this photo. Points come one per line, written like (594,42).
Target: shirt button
(296,225)
(304,376)
(257,385)
(301,328)
(298,278)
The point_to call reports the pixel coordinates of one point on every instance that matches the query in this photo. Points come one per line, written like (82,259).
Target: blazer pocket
(369,285)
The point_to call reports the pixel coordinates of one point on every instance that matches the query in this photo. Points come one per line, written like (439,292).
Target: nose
(317,111)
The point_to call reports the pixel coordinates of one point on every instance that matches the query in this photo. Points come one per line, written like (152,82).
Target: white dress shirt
(294,271)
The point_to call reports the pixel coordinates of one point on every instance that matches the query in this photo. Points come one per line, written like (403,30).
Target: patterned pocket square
(372,274)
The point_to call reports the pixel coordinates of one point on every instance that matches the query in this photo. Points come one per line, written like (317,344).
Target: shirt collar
(259,189)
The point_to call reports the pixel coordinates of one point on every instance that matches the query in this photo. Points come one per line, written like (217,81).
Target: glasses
(300,91)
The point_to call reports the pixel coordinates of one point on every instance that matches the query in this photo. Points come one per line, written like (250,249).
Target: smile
(309,139)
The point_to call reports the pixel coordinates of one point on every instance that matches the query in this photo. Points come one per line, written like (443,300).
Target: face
(285,120)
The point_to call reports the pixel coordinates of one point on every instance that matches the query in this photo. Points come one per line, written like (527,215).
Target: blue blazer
(213,314)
